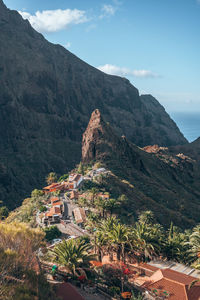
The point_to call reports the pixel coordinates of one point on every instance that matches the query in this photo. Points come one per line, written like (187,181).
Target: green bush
(52,233)
(3,212)
(42,208)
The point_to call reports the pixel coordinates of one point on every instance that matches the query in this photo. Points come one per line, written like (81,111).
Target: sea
(188,123)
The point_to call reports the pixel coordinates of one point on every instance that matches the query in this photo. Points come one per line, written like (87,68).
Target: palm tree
(73,254)
(176,245)
(99,242)
(119,236)
(108,224)
(147,217)
(145,240)
(194,243)
(51,177)
(112,204)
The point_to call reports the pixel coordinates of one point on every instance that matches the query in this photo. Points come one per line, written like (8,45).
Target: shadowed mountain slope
(46,97)
(164,183)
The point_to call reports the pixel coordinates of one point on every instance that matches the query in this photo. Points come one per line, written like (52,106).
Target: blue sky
(154,43)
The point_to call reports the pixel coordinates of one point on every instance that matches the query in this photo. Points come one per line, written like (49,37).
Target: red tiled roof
(147,267)
(54,199)
(175,283)
(53,211)
(67,292)
(56,203)
(51,186)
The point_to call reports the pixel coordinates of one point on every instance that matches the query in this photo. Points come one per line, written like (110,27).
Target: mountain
(46,97)
(152,178)
(190,149)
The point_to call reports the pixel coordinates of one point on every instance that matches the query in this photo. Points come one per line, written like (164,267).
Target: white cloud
(55,20)
(124,72)
(107,11)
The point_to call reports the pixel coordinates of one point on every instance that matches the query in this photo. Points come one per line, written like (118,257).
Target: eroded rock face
(47,95)
(164,182)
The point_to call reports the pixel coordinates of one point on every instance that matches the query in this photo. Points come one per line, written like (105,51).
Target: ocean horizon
(188,123)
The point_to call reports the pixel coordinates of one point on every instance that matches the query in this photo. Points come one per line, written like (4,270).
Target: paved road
(67,208)
(70,229)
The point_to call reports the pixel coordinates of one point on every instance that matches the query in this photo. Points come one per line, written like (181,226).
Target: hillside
(167,184)
(46,97)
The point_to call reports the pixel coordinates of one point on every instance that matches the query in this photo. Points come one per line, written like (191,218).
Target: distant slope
(164,183)
(190,149)
(46,97)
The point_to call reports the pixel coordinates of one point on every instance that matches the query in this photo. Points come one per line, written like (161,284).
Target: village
(63,210)
(154,279)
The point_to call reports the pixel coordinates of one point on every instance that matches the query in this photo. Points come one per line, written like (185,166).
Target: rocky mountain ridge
(47,95)
(158,180)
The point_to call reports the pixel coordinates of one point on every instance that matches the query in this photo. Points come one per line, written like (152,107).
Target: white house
(75,180)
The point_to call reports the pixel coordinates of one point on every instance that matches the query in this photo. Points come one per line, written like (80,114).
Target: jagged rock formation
(156,179)
(46,97)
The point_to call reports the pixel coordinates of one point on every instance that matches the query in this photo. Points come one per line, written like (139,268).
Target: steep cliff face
(46,97)
(157,179)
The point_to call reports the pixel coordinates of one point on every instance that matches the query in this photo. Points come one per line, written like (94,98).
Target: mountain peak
(96,117)
(95,130)
(2,5)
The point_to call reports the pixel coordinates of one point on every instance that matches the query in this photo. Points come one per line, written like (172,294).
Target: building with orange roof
(50,188)
(54,200)
(54,187)
(53,215)
(79,215)
(166,283)
(104,196)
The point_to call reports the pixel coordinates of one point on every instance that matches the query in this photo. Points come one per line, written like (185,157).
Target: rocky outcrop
(164,182)
(46,97)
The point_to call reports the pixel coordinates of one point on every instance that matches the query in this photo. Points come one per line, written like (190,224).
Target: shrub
(52,233)
(42,208)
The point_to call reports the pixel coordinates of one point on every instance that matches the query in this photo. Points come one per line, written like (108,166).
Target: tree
(63,177)
(119,236)
(99,242)
(42,208)
(18,255)
(194,243)
(73,254)
(93,193)
(81,169)
(52,232)
(37,193)
(176,246)
(3,212)
(147,217)
(101,203)
(111,205)
(51,177)
(21,239)
(146,240)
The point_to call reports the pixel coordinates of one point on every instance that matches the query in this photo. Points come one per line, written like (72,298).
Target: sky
(153,43)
